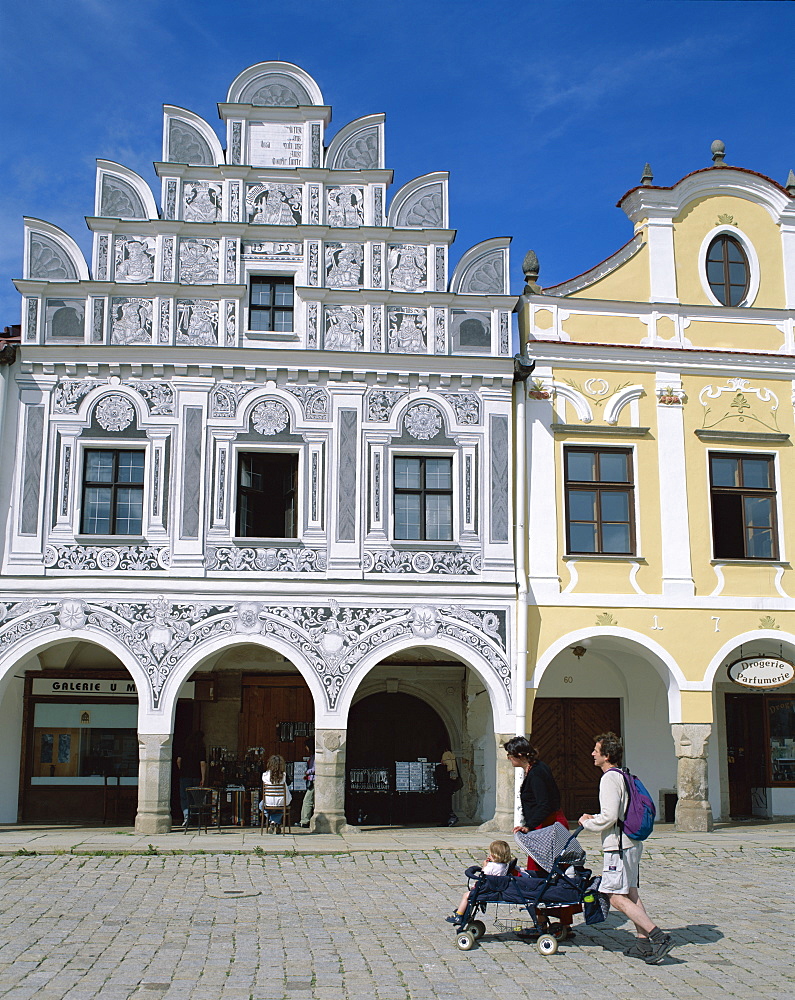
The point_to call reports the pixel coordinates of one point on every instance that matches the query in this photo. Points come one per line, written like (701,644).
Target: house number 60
(568,679)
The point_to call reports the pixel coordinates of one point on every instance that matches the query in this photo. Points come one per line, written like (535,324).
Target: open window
(267,494)
(743,495)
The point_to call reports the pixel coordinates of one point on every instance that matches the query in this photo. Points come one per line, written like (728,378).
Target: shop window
(423,499)
(271,303)
(599,501)
(743,498)
(728,271)
(781,739)
(113,492)
(267,495)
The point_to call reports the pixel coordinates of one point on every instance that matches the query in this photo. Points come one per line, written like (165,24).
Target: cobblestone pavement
(369,924)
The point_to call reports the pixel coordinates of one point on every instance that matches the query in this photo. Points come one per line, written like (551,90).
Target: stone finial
(647,177)
(790,185)
(718,149)
(530,269)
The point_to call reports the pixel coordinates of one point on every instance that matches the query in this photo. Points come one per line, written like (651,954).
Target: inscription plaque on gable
(274,144)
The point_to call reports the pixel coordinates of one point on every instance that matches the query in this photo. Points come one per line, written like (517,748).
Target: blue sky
(544,114)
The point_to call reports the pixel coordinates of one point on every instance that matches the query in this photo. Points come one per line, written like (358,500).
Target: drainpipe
(522,368)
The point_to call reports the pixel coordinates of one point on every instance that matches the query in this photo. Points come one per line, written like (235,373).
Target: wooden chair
(276,793)
(200,807)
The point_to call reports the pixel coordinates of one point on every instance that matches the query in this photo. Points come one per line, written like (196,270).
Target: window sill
(275,335)
(244,541)
(753,562)
(763,437)
(410,544)
(609,556)
(600,430)
(110,540)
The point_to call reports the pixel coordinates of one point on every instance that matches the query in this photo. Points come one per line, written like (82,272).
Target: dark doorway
(384,728)
(563,730)
(745,735)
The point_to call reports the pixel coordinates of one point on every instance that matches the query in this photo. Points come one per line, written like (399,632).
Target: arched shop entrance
(387,734)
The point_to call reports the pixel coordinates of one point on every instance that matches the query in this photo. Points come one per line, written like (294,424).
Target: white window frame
(409,452)
(249,447)
(136,444)
(753,265)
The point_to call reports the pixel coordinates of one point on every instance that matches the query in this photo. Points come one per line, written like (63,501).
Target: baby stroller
(563,883)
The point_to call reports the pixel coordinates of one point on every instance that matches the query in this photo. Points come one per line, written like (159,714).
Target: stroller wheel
(465,941)
(559,931)
(547,944)
(477,929)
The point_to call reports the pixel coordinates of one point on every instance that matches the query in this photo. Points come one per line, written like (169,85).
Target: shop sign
(84,687)
(761,671)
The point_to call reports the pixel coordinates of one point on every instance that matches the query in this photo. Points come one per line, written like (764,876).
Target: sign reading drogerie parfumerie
(761,671)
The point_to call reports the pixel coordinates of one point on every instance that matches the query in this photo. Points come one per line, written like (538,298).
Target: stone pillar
(154,784)
(329,815)
(693,811)
(504,784)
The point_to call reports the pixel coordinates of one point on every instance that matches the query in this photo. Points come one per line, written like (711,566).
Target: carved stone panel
(344,328)
(31,326)
(134,258)
(408,267)
(102,258)
(470,331)
(344,265)
(274,204)
(131,321)
(98,321)
(423,209)
(360,152)
(407,330)
(379,403)
(197,322)
(201,201)
(120,200)
(198,261)
(65,319)
(187,145)
(345,205)
(486,275)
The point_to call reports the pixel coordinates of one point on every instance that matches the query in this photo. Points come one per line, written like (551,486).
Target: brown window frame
(722,290)
(742,492)
(600,486)
(269,310)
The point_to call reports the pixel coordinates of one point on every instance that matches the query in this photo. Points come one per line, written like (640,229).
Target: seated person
(275,774)
(498,862)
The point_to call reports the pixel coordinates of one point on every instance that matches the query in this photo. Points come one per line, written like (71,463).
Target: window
(113,492)
(270,304)
(728,270)
(424,499)
(266,495)
(599,501)
(743,506)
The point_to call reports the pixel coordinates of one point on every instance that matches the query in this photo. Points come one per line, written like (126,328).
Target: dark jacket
(539,795)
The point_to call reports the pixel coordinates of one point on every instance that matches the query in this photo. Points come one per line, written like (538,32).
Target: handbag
(456,783)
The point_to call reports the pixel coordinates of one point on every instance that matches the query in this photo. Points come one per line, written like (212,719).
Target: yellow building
(658,440)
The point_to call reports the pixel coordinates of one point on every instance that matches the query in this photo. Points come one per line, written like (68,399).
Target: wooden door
(56,752)
(745,751)
(563,730)
(269,700)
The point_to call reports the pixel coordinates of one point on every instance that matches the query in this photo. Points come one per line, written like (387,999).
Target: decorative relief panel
(470,331)
(315,145)
(197,322)
(378,206)
(440,336)
(201,201)
(32,319)
(273,204)
(407,330)
(315,402)
(68,393)
(376,340)
(423,209)
(466,406)
(311,324)
(379,403)
(198,261)
(408,267)
(344,265)
(231,323)
(314,253)
(265,560)
(64,319)
(441,279)
(168,258)
(120,200)
(49,261)
(750,407)
(275,144)
(158,396)
(314,205)
(345,205)
(187,145)
(261,250)
(225,397)
(230,275)
(134,258)
(505,342)
(237,129)
(102,258)
(170,211)
(116,559)
(441,563)
(486,275)
(344,329)
(234,201)
(360,152)
(131,321)
(163,336)
(377,253)
(98,321)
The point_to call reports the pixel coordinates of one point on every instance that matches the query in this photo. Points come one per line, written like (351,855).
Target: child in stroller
(563,882)
(498,862)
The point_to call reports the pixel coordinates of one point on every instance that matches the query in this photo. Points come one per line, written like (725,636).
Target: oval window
(728,271)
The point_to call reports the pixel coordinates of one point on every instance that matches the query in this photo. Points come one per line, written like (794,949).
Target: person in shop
(192,769)
(448,781)
(275,774)
(308,806)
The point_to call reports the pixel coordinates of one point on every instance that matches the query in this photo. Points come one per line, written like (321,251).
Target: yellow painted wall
(699,217)
(599,329)
(735,336)
(629,282)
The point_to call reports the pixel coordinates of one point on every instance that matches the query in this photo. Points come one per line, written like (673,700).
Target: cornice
(268,113)
(287,175)
(389,296)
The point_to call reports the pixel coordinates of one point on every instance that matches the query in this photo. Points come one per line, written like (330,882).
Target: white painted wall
(10,748)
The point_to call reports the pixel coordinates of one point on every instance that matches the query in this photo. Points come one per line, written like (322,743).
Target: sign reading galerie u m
(761,671)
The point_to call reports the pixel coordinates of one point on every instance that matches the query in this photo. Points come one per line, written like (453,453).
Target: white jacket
(613,802)
(271,801)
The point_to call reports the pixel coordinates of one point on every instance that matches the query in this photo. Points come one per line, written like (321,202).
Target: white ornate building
(261,445)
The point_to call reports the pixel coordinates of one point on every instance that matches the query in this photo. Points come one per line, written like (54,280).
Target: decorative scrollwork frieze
(107,559)
(443,563)
(265,560)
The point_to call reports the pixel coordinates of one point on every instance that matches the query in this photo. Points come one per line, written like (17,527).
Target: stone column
(504,784)
(329,815)
(154,784)
(693,811)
